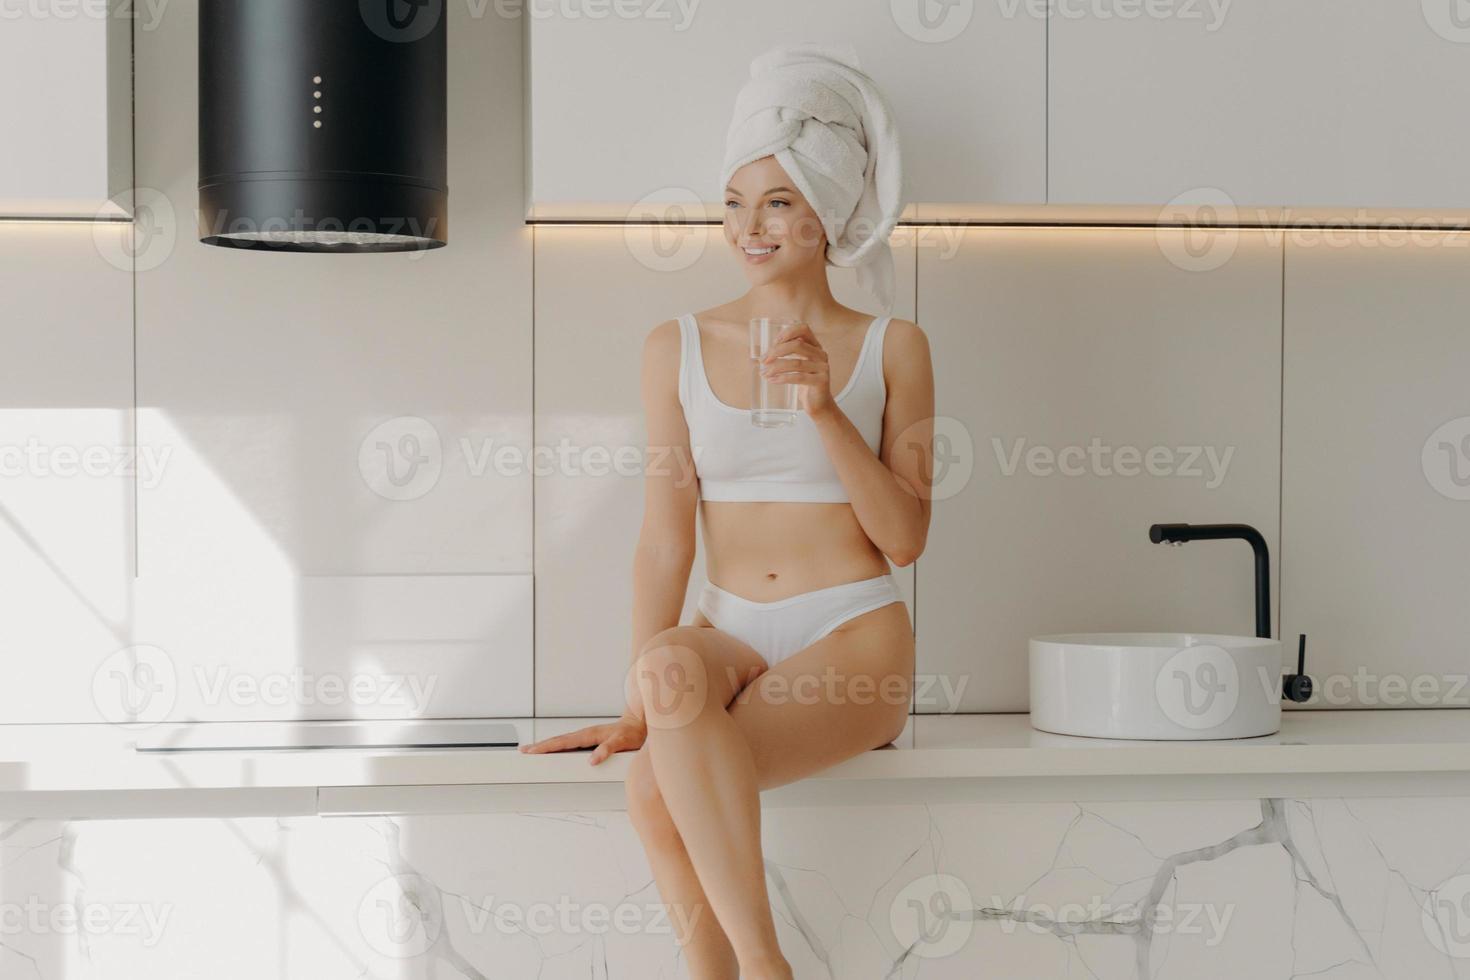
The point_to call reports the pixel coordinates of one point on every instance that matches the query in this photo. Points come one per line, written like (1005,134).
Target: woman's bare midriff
(767,550)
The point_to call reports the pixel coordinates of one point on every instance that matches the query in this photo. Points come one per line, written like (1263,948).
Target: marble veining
(1271,888)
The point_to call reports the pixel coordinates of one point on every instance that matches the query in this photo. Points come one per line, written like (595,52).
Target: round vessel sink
(1174,686)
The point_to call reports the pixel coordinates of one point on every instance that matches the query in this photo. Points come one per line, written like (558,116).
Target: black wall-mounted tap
(1295,687)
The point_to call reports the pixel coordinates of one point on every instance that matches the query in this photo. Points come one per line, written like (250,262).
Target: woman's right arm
(665,551)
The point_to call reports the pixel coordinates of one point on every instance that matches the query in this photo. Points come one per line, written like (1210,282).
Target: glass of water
(771,404)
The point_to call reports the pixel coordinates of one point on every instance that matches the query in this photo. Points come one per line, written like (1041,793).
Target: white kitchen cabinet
(66,119)
(628,108)
(1340,104)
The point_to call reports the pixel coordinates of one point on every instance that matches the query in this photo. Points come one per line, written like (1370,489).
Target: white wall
(269,393)
(66,484)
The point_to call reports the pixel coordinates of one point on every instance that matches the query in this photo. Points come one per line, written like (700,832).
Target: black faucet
(1295,687)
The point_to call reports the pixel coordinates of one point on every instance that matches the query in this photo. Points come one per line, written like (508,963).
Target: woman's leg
(698,931)
(707,780)
(847,693)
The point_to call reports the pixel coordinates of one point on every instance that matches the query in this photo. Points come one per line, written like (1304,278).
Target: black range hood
(323,125)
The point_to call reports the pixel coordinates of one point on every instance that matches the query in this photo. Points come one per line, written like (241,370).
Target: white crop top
(735,460)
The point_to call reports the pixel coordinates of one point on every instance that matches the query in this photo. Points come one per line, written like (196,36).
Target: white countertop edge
(86,758)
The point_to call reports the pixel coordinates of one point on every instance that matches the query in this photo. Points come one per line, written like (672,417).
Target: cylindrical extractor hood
(323,125)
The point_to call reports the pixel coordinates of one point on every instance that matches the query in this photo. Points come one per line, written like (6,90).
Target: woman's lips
(756,254)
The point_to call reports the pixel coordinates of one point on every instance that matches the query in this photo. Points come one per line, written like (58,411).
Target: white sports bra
(736,461)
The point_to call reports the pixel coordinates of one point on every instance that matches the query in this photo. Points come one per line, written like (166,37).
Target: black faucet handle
(1298,687)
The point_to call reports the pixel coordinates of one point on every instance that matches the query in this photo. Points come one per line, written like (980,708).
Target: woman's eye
(780,204)
(732,204)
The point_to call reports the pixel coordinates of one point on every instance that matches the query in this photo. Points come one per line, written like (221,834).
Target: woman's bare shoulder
(905,337)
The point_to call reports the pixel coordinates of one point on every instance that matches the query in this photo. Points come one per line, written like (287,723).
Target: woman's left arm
(890,491)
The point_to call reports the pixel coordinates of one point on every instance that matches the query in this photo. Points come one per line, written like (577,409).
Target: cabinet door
(66,119)
(1330,103)
(632,107)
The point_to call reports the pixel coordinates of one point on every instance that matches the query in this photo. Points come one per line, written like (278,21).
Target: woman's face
(771,228)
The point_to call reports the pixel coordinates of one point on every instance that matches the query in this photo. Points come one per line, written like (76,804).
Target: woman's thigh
(843,695)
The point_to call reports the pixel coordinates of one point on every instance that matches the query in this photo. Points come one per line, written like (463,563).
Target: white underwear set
(736,461)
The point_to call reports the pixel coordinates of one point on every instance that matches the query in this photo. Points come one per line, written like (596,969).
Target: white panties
(779,629)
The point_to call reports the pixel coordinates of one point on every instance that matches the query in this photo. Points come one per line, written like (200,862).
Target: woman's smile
(756,254)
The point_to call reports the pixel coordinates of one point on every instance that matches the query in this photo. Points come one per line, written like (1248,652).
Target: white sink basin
(1181,686)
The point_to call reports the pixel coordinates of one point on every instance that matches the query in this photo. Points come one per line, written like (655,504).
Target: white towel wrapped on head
(831,130)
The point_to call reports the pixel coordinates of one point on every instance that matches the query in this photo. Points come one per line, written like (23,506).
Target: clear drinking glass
(771,405)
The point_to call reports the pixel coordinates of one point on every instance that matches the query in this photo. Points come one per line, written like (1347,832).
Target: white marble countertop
(101,758)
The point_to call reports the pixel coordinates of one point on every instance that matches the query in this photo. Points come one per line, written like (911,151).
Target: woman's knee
(674,680)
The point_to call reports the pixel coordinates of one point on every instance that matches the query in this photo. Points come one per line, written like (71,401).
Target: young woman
(802,652)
